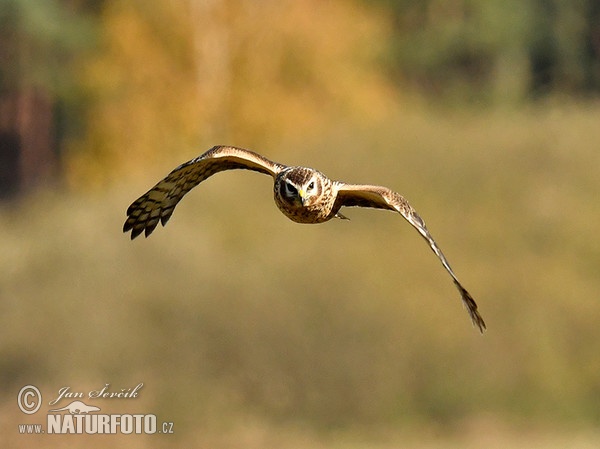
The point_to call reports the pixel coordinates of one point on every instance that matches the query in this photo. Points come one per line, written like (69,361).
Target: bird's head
(301,186)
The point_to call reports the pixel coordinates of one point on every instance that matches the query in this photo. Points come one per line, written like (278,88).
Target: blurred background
(250,331)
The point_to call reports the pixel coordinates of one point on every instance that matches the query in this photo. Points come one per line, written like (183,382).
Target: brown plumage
(303,194)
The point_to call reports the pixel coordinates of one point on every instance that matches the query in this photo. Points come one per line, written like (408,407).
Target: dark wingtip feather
(471,307)
(165,218)
(135,232)
(149,227)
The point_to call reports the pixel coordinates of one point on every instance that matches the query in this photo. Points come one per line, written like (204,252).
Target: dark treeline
(485,48)
(39,40)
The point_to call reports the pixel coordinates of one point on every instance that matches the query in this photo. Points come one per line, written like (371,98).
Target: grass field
(251,331)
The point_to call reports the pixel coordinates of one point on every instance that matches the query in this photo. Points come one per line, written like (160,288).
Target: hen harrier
(303,194)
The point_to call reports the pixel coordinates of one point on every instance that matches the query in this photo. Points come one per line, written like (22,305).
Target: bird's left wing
(159,202)
(383,198)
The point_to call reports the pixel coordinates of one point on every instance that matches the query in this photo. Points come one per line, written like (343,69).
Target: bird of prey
(303,194)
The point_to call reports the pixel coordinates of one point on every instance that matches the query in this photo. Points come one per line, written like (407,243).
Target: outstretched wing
(384,198)
(159,202)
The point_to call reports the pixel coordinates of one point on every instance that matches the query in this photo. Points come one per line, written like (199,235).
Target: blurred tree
(172,76)
(38,39)
(564,47)
(494,50)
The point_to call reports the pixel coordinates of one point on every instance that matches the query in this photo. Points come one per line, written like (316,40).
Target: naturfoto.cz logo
(79,417)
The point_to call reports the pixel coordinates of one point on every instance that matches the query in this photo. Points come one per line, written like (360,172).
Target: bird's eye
(290,189)
(311,185)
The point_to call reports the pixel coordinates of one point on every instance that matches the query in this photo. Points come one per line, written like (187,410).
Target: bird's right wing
(383,198)
(159,202)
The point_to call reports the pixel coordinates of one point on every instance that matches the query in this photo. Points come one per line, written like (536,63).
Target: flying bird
(303,194)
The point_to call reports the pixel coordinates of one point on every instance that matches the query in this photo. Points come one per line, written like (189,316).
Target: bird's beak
(302,195)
